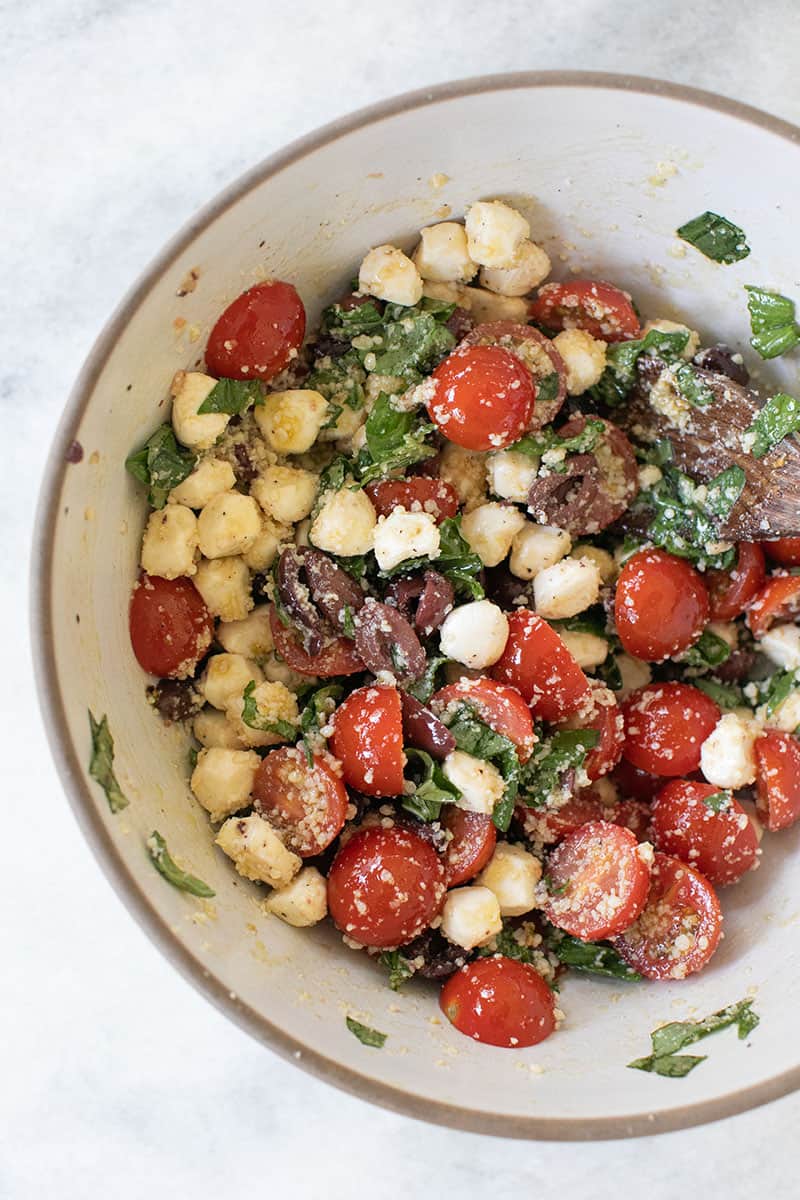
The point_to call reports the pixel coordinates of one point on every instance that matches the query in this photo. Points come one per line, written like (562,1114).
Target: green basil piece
(724,694)
(475,737)
(771,321)
(619,375)
(592,958)
(101,763)
(232,396)
(716,237)
(252,717)
(367,1036)
(779,417)
(692,386)
(709,651)
(165,865)
(399,968)
(718,802)
(537,444)
(677,1035)
(672,1066)
(395,439)
(432,788)
(563,750)
(161,464)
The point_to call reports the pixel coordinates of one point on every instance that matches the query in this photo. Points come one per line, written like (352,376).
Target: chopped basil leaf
(412,342)
(319,706)
(475,737)
(772,322)
(341,381)
(395,439)
(609,672)
(716,237)
(718,802)
(658,454)
(192,757)
(779,417)
(591,620)
(547,388)
(399,968)
(345,324)
(166,866)
(513,943)
(684,523)
(622,357)
(776,689)
(101,764)
(692,386)
(675,1036)
(423,688)
(432,788)
(232,396)
(596,958)
(161,464)
(673,1066)
(723,694)
(367,1036)
(724,490)
(333,477)
(256,720)
(537,444)
(710,650)
(564,750)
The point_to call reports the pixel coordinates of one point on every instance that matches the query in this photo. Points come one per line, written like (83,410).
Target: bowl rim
(51,700)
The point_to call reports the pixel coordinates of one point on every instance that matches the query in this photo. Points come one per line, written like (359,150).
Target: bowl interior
(605,175)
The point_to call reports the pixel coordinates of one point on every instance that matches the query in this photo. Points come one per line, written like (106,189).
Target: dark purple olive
(506,590)
(403,594)
(332,590)
(244,468)
(175,699)
(385,641)
(460,323)
(423,730)
(433,956)
(720,360)
(296,599)
(737,666)
(435,602)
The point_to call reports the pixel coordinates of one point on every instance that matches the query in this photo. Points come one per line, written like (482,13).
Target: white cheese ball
(667,326)
(511,474)
(584,357)
(302,902)
(442,254)
(480,783)
(198,431)
(451,293)
(286,494)
(530,268)
(484,305)
(513,874)
(567,588)
(490,529)
(264,549)
(212,728)
(251,637)
(274,702)
(787,714)
(389,274)
(403,535)
(634,674)
(495,233)
(210,477)
(226,677)
(474,634)
(781,644)
(169,545)
(228,524)
(290,421)
(257,851)
(465,471)
(536,547)
(588,649)
(222,780)
(604,561)
(648,476)
(345,524)
(727,756)
(470,916)
(224,584)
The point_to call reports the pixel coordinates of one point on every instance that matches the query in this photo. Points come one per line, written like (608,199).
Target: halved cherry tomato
(660,606)
(718,839)
(385,886)
(549,826)
(634,783)
(539,355)
(500,706)
(500,1002)
(434,496)
(483,397)
(785,551)
(306,801)
(538,664)
(257,334)
(598,881)
(337,658)
(601,309)
(472,843)
(778,779)
(680,926)
(606,718)
(665,727)
(778,600)
(634,815)
(730,592)
(170,626)
(368,740)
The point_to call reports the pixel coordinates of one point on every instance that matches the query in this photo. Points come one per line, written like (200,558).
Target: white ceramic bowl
(580,154)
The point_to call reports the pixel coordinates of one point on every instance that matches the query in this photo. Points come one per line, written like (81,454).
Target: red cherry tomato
(501,707)
(538,664)
(601,309)
(605,717)
(471,846)
(730,592)
(634,815)
(549,826)
(665,727)
(785,551)
(306,801)
(719,841)
(499,1001)
(337,658)
(170,626)
(778,600)
(598,881)
(368,740)
(483,397)
(680,926)
(661,605)
(385,886)
(539,355)
(778,779)
(633,783)
(256,335)
(425,492)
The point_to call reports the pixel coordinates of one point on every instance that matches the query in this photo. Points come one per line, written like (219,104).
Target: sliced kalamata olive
(296,599)
(737,667)
(720,360)
(403,594)
(460,323)
(385,641)
(433,956)
(351,300)
(175,699)
(332,590)
(595,488)
(423,730)
(435,602)
(244,468)
(506,590)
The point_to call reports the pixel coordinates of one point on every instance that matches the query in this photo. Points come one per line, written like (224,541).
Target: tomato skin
(681,901)
(433,495)
(778,779)
(368,740)
(499,1001)
(550,826)
(778,600)
(538,664)
(385,886)
(537,352)
(661,605)
(730,592)
(307,803)
(599,308)
(633,782)
(170,626)
(591,864)
(785,551)
(483,397)
(665,727)
(606,718)
(257,333)
(721,845)
(337,658)
(472,844)
(500,706)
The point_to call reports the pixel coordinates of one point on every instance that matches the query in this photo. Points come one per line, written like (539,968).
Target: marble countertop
(125,116)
